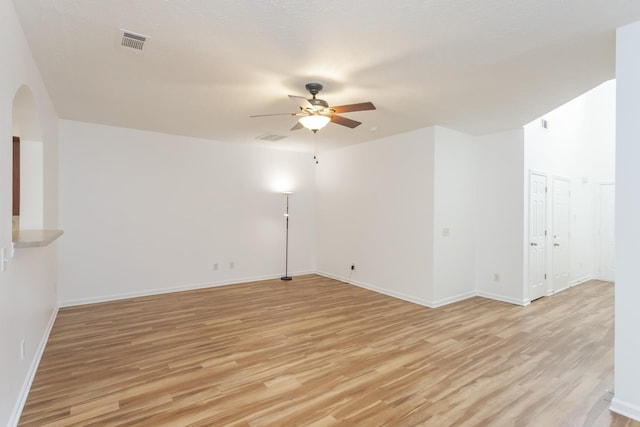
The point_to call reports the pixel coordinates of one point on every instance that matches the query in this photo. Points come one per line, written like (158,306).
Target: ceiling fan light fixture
(314,122)
(316,113)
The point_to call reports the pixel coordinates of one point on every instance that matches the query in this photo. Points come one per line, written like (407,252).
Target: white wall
(31,185)
(375,209)
(579,144)
(627,344)
(455,208)
(500,216)
(28,287)
(146,212)
(387,205)
(580,138)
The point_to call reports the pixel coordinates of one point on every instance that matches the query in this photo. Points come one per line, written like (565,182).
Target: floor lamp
(286,247)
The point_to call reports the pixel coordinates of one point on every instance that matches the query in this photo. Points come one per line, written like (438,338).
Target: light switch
(445,232)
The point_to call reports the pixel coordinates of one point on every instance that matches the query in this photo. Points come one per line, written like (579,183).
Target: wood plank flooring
(317,352)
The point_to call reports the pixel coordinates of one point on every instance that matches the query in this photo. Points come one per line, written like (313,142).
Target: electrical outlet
(353,266)
(232,265)
(215,266)
(496,277)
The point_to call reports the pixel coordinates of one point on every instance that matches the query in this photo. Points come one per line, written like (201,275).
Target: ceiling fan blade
(277,114)
(301,101)
(297,126)
(363,106)
(339,120)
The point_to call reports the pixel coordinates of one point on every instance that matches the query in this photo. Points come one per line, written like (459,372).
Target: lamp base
(286,278)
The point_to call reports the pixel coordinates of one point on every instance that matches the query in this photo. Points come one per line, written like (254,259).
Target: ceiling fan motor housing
(313,88)
(318,104)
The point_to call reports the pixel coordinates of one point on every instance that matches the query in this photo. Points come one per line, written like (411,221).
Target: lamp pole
(286,247)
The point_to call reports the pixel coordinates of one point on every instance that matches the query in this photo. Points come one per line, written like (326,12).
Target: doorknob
(556,244)
(534,244)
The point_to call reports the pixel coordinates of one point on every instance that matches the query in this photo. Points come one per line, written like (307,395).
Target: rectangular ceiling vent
(132,40)
(270,137)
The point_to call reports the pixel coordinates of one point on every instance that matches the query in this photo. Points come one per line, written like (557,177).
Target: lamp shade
(314,122)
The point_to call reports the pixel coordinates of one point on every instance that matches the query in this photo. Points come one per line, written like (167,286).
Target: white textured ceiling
(477,66)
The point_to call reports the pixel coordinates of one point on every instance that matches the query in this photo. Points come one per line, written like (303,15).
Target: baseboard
(31,373)
(626,409)
(181,288)
(384,291)
(510,300)
(451,300)
(557,291)
(394,294)
(379,290)
(430,304)
(581,280)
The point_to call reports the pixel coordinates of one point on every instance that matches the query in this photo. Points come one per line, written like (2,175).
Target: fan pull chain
(315,147)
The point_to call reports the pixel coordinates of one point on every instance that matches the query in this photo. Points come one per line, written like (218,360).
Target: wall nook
(27,163)
(28,177)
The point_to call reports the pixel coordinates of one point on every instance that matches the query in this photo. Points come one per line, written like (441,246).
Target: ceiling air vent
(132,40)
(270,137)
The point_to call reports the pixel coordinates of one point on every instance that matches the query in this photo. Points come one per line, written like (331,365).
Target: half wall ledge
(34,238)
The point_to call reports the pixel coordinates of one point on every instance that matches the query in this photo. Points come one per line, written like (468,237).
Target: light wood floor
(317,352)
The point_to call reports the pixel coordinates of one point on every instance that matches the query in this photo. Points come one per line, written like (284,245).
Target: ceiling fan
(316,113)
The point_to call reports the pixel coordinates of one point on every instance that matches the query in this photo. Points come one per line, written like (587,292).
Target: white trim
(425,303)
(393,294)
(598,231)
(451,300)
(31,373)
(510,300)
(581,280)
(560,290)
(624,408)
(181,288)
(539,172)
(379,290)
(384,291)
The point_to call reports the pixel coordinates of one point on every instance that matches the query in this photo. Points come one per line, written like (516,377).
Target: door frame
(553,289)
(599,227)
(528,233)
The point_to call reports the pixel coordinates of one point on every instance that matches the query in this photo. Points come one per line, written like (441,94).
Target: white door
(606,236)
(560,232)
(537,235)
